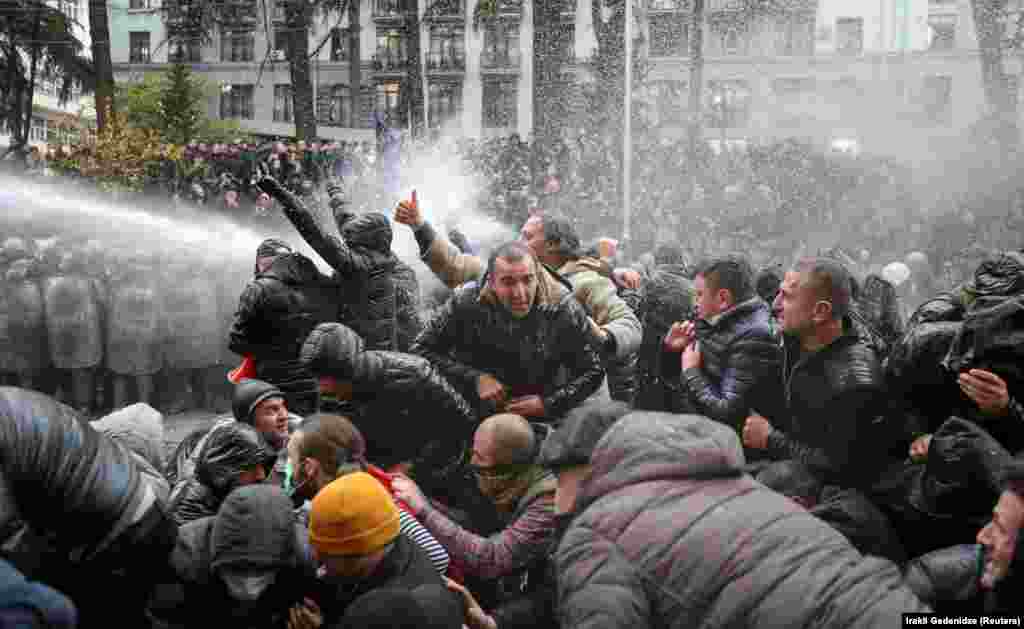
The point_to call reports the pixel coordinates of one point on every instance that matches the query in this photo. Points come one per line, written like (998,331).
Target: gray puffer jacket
(670,533)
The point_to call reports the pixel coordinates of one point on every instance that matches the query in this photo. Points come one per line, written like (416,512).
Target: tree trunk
(355,70)
(99,31)
(988,26)
(299,16)
(696,76)
(412,92)
(546,69)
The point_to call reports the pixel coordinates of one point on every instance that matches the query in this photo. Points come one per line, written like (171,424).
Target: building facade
(869,73)
(54,122)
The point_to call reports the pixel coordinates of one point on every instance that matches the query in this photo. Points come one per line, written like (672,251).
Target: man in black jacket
(363,263)
(276,312)
(734,367)
(506,345)
(399,402)
(834,390)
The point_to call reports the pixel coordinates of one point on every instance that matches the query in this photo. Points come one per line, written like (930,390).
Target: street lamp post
(627,133)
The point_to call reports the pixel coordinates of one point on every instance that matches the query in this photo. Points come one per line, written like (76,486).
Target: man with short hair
(731,360)
(834,390)
(504,453)
(326,447)
(278,309)
(508,340)
(555,243)
(354,532)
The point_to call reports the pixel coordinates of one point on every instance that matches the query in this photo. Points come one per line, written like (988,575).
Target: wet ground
(178,426)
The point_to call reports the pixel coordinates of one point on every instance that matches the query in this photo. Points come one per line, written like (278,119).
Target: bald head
(508,437)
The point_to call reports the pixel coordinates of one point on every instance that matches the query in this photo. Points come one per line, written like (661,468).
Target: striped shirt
(419,535)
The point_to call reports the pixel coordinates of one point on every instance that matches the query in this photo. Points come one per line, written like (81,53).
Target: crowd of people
(564,439)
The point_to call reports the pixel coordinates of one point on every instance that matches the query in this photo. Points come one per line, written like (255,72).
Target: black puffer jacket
(470,336)
(227,452)
(407,306)
(666,296)
(57,474)
(362,261)
(836,411)
(277,311)
(400,402)
(254,529)
(670,533)
(742,366)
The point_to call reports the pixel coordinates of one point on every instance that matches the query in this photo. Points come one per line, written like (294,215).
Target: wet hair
(560,231)
(832,282)
(732,273)
(669,254)
(511,251)
(767,283)
(333,440)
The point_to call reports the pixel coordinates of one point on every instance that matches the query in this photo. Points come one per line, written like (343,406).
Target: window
(282,41)
(389,101)
(283,103)
(794,35)
(729,103)
(340,40)
(850,35)
(564,46)
(445,102)
(388,7)
(937,99)
(37,132)
(391,50)
(185,51)
(792,89)
(943,35)
(236,101)
(501,46)
(500,104)
(237,46)
(447,48)
(670,101)
(138,4)
(138,47)
(669,36)
(339,106)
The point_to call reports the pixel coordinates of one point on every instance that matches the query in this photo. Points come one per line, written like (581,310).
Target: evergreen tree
(181,105)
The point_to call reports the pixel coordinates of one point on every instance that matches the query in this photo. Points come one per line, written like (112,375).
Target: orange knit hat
(354,515)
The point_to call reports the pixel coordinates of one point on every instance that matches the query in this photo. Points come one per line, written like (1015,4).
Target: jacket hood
(585,264)
(253,529)
(371,230)
(139,428)
(654,446)
(229,451)
(247,396)
(292,268)
(331,349)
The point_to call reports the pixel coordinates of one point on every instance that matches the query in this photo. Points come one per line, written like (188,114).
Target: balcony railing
(390,8)
(390,62)
(499,60)
(446,62)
